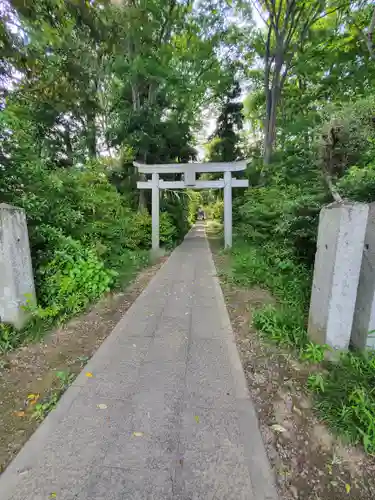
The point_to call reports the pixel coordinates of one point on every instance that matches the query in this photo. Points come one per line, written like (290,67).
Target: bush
(347,136)
(141,226)
(283,213)
(194,202)
(359,183)
(74,277)
(215,211)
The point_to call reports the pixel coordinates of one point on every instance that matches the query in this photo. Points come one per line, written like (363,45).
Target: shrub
(359,183)
(74,277)
(347,136)
(284,213)
(215,211)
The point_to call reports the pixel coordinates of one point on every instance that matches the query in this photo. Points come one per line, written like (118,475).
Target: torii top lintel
(234,166)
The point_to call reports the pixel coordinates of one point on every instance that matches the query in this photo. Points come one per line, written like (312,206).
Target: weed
(83,360)
(315,382)
(41,409)
(281,325)
(314,353)
(347,403)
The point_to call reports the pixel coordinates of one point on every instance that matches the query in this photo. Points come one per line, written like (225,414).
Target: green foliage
(195,200)
(223,143)
(314,353)
(281,325)
(9,338)
(73,278)
(346,399)
(315,382)
(273,267)
(359,183)
(49,402)
(324,143)
(85,89)
(281,211)
(345,396)
(215,210)
(347,136)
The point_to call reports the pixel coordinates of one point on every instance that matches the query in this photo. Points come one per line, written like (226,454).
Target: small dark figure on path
(201,214)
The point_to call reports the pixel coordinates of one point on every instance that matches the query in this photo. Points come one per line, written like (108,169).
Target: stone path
(166,414)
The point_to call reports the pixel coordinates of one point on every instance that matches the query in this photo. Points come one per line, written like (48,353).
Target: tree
(288,26)
(223,145)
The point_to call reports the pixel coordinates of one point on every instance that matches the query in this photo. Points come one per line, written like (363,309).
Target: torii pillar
(189,170)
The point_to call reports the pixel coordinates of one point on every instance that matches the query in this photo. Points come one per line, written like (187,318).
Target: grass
(345,390)
(345,398)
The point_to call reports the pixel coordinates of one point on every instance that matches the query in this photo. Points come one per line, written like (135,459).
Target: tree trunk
(273,97)
(91,135)
(142,202)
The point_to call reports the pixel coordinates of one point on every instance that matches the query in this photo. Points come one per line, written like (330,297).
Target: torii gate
(190,181)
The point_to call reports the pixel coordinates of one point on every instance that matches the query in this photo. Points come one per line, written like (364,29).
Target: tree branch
(255,5)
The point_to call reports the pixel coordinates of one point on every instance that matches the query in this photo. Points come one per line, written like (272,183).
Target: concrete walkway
(166,415)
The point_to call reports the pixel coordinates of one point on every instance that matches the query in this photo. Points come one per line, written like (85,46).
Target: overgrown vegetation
(311,141)
(85,89)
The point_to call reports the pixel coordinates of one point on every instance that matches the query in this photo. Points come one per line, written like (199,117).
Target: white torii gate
(190,181)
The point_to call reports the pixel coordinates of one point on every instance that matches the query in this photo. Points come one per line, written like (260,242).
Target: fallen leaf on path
(348,488)
(89,374)
(278,428)
(102,406)
(53,495)
(138,434)
(19,413)
(196,418)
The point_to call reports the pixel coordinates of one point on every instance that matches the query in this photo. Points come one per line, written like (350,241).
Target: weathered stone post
(16,274)
(364,315)
(337,267)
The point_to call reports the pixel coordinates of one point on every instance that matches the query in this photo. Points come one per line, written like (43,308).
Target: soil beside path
(32,369)
(308,461)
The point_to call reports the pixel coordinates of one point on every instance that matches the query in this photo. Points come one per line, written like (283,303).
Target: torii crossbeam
(189,171)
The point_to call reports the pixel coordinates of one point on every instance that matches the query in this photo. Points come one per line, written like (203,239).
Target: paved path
(166,415)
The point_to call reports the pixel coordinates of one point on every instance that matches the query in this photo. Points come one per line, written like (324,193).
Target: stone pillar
(227,209)
(337,267)
(364,315)
(16,274)
(155,212)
